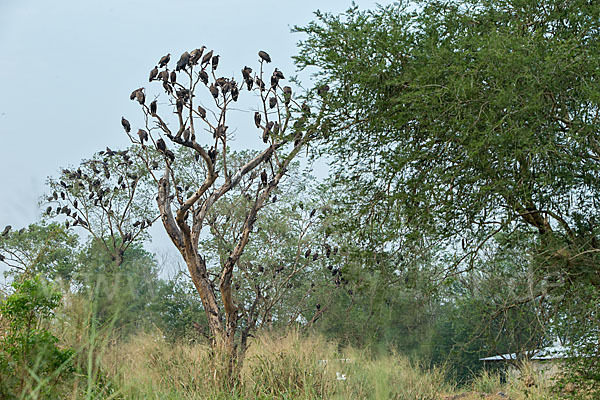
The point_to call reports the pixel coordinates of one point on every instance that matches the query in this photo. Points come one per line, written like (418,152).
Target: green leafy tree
(472,118)
(48,249)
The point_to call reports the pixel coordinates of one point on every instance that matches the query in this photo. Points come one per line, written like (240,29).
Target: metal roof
(547,353)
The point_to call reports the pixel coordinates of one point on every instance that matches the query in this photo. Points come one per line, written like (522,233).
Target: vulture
(173,76)
(313,212)
(214,91)
(140,96)
(120,180)
(153,74)
(164,75)
(260,84)
(55,195)
(263,177)
(212,154)
(274,81)
(203,77)
(249,83)
(6,230)
(318,307)
(257,119)
(143,135)
(183,62)
(153,108)
(186,134)
(62,195)
(276,128)
(315,256)
(274,199)
(201,112)
(265,136)
(246,72)
(196,54)
(168,88)
(272,102)
(164,60)
(75,204)
(161,146)
(215,62)
(170,155)
(48,210)
(278,74)
(126,125)
(235,93)
(287,94)
(322,90)
(264,56)
(220,131)
(307,253)
(179,106)
(206,59)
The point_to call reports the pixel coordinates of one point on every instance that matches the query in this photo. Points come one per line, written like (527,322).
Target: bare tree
(284,126)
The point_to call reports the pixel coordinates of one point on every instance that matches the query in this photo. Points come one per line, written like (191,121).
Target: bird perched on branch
(153,73)
(215,62)
(126,125)
(143,135)
(6,230)
(257,119)
(246,71)
(263,177)
(264,56)
(164,60)
(201,112)
(183,62)
(206,59)
(196,54)
(153,108)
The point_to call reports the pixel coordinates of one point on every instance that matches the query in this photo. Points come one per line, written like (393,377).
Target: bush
(31,363)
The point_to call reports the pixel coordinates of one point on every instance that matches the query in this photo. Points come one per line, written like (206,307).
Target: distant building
(546,361)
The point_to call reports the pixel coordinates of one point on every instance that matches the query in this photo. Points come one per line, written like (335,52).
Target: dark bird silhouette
(307,253)
(246,71)
(161,146)
(260,84)
(203,77)
(196,54)
(206,59)
(322,90)
(62,195)
(265,136)
(75,204)
(214,91)
(278,74)
(313,212)
(235,92)
(186,134)
(164,60)
(274,81)
(6,230)
(126,125)
(48,210)
(272,102)
(201,112)
(220,131)
(264,56)
(140,96)
(179,105)
(143,135)
(164,75)
(318,307)
(263,177)
(170,155)
(257,119)
(287,94)
(249,83)
(168,88)
(215,62)
(153,74)
(153,108)
(274,199)
(315,257)
(173,76)
(183,62)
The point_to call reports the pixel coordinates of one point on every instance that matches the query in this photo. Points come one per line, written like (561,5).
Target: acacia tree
(471,119)
(108,196)
(202,130)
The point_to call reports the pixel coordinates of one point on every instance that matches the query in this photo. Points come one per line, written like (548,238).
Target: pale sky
(68,67)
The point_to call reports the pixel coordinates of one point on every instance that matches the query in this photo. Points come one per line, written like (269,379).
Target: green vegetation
(459,221)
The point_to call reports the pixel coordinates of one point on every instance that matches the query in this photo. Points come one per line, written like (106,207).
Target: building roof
(547,353)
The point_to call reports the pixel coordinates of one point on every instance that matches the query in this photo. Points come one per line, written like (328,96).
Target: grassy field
(277,366)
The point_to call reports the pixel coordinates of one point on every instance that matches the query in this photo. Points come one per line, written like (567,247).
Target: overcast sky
(68,67)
